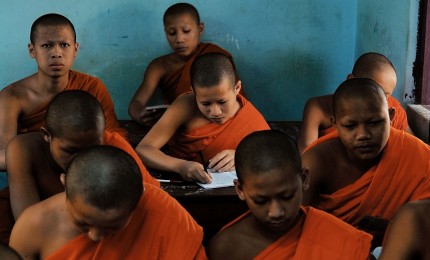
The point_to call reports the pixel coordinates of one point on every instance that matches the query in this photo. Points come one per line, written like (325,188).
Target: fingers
(200,176)
(223,161)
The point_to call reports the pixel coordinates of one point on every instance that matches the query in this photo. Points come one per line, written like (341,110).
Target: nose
(95,234)
(56,52)
(275,210)
(180,37)
(363,132)
(215,111)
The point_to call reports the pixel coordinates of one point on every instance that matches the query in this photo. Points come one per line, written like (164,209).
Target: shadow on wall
(127,43)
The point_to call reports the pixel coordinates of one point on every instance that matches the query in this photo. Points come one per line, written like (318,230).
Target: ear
(237,87)
(201,28)
(31,50)
(45,134)
(333,121)
(350,76)
(391,113)
(305,178)
(239,189)
(63,179)
(76,49)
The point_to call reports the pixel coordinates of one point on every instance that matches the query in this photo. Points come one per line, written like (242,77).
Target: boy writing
(74,121)
(23,103)
(171,72)
(318,110)
(212,121)
(367,172)
(107,213)
(271,181)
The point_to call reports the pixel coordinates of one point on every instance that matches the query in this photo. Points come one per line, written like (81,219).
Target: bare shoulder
(227,242)
(164,64)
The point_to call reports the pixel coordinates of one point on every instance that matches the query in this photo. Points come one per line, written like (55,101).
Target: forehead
(81,138)
(180,20)
(225,87)
(352,107)
(54,31)
(271,182)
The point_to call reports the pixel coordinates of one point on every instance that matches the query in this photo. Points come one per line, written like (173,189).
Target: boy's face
(54,49)
(218,103)
(96,223)
(64,149)
(183,33)
(274,197)
(363,125)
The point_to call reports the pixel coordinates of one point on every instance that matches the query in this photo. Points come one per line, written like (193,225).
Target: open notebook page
(219,180)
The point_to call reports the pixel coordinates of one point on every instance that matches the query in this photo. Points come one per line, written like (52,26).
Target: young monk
(74,121)
(211,122)
(107,213)
(318,110)
(271,181)
(23,103)
(171,72)
(369,170)
(408,233)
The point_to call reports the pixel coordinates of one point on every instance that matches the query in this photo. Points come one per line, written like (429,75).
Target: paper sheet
(219,180)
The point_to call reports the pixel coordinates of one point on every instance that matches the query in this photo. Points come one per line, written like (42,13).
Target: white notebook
(219,180)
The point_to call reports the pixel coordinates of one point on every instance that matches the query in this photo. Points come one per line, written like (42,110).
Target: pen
(203,161)
(171,181)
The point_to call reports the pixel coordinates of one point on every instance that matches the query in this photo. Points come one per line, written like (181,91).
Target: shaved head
(263,151)
(210,69)
(74,111)
(370,63)
(180,9)
(364,89)
(50,20)
(104,177)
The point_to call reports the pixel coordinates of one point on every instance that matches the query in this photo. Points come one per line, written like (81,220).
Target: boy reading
(271,181)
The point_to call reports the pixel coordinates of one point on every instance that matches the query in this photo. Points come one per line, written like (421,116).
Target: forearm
(156,159)
(134,110)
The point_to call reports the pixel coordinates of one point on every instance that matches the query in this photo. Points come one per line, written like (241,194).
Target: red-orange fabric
(402,175)
(318,235)
(115,139)
(80,81)
(160,228)
(213,138)
(179,81)
(400,120)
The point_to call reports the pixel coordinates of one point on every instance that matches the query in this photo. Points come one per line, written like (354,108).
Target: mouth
(56,65)
(181,49)
(366,148)
(217,119)
(278,224)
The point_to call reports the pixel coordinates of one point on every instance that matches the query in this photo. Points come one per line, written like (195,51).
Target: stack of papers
(219,180)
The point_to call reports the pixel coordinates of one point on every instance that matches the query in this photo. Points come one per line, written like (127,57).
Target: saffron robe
(179,81)
(402,175)
(317,235)
(213,138)
(116,140)
(77,81)
(160,228)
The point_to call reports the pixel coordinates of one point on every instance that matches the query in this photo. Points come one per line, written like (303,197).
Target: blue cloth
(377,252)
(3,180)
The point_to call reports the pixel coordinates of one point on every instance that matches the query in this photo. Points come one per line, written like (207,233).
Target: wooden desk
(212,208)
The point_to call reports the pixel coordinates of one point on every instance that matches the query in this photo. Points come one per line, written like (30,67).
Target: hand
(150,117)
(194,171)
(223,161)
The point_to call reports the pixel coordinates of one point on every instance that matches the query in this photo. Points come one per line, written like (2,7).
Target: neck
(52,84)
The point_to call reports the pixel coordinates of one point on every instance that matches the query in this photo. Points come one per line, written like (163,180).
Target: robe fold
(179,81)
(402,175)
(116,140)
(160,228)
(213,138)
(77,81)
(317,235)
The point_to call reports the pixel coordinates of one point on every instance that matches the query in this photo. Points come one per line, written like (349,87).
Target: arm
(180,112)
(310,161)
(312,118)
(22,184)
(9,113)
(151,79)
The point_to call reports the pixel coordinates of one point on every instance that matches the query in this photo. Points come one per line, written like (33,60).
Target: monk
(23,103)
(171,72)
(318,110)
(107,213)
(203,127)
(367,171)
(271,181)
(74,121)
(408,233)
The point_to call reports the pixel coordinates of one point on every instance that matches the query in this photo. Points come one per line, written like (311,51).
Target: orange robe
(116,140)
(400,120)
(80,81)
(179,81)
(160,228)
(402,175)
(317,235)
(213,138)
